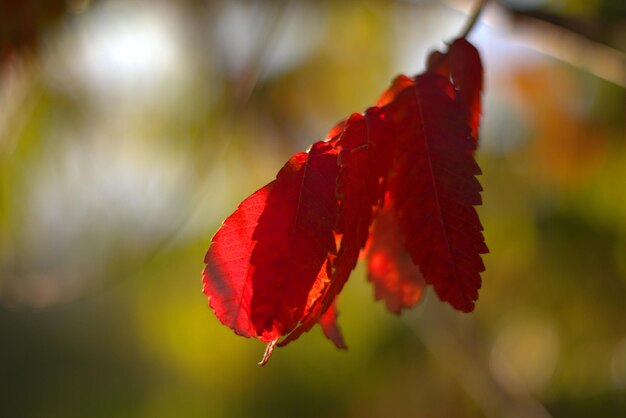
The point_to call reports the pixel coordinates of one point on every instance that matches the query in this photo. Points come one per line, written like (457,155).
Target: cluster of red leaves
(396,184)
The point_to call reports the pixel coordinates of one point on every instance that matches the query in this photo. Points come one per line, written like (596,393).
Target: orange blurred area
(130,129)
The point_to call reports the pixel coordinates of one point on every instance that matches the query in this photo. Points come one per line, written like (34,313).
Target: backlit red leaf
(396,279)
(466,71)
(364,161)
(359,191)
(268,263)
(436,188)
(438,63)
(228,272)
(295,238)
(399,83)
(328,322)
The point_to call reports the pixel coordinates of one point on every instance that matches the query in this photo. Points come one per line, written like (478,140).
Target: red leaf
(438,63)
(333,135)
(463,65)
(364,161)
(396,279)
(295,237)
(228,272)
(266,269)
(358,190)
(436,187)
(466,71)
(328,322)
(399,83)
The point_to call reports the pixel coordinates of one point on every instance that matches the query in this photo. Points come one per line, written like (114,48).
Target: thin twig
(562,43)
(474,18)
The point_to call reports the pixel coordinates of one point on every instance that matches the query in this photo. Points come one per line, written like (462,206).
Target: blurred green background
(130,129)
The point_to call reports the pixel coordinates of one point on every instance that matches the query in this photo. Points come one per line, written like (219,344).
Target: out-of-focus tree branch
(586,44)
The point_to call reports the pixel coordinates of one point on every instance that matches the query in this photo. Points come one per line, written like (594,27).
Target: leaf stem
(268,352)
(473,18)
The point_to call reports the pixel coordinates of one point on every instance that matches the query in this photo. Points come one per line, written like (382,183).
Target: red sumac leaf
(268,263)
(399,83)
(295,238)
(228,272)
(333,135)
(396,279)
(328,322)
(438,63)
(358,188)
(358,191)
(436,188)
(466,71)
(313,310)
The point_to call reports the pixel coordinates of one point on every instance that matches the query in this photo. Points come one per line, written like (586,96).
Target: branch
(473,18)
(563,42)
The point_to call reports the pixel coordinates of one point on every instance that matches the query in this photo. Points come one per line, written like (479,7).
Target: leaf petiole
(473,18)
